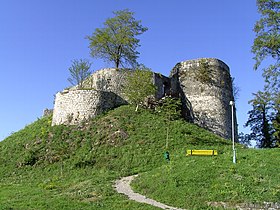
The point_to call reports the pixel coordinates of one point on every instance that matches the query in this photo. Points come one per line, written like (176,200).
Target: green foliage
(170,108)
(79,70)
(260,121)
(276,125)
(192,182)
(267,41)
(266,47)
(204,72)
(117,41)
(30,158)
(245,139)
(139,86)
(74,167)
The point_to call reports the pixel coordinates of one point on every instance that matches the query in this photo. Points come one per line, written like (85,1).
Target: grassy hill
(74,167)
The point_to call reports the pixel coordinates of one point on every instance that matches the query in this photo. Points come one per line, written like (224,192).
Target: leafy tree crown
(117,41)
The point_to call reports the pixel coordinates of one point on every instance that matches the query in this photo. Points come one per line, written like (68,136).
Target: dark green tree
(139,86)
(79,71)
(267,44)
(267,41)
(117,41)
(245,139)
(266,48)
(276,124)
(170,108)
(260,120)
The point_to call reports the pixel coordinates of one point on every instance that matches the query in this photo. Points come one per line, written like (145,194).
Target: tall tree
(260,120)
(267,44)
(117,41)
(245,139)
(276,124)
(79,71)
(266,47)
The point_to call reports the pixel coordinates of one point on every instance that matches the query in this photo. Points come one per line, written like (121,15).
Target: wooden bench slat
(202,152)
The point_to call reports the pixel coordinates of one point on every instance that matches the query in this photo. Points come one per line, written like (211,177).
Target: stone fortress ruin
(203,85)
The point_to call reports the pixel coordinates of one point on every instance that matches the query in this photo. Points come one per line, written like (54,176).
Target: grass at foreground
(74,167)
(194,182)
(74,189)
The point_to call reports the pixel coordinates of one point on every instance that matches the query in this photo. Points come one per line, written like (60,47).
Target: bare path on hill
(123,186)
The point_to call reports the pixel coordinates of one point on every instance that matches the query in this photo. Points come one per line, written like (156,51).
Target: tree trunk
(117,64)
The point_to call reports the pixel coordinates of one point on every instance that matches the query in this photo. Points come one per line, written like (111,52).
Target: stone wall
(110,80)
(204,86)
(207,85)
(74,106)
(162,84)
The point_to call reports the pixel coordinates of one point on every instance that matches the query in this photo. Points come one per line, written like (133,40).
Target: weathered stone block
(77,105)
(209,98)
(204,86)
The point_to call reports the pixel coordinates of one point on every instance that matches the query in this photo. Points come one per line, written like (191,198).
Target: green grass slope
(196,182)
(74,167)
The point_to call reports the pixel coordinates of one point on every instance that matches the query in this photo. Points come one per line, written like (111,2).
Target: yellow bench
(202,152)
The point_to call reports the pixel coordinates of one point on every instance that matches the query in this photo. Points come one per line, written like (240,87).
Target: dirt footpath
(123,186)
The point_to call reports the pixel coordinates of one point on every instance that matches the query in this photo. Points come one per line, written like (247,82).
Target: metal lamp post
(231,103)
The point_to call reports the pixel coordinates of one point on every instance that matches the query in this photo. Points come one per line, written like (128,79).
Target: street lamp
(231,103)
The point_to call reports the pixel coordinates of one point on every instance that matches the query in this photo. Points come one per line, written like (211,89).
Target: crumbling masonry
(204,86)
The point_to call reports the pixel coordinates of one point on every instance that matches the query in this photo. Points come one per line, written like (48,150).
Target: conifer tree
(260,121)
(266,47)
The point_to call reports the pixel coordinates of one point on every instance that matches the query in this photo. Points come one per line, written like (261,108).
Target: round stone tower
(101,92)
(206,85)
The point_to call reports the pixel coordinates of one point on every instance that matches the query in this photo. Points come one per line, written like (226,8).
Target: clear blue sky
(39,39)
